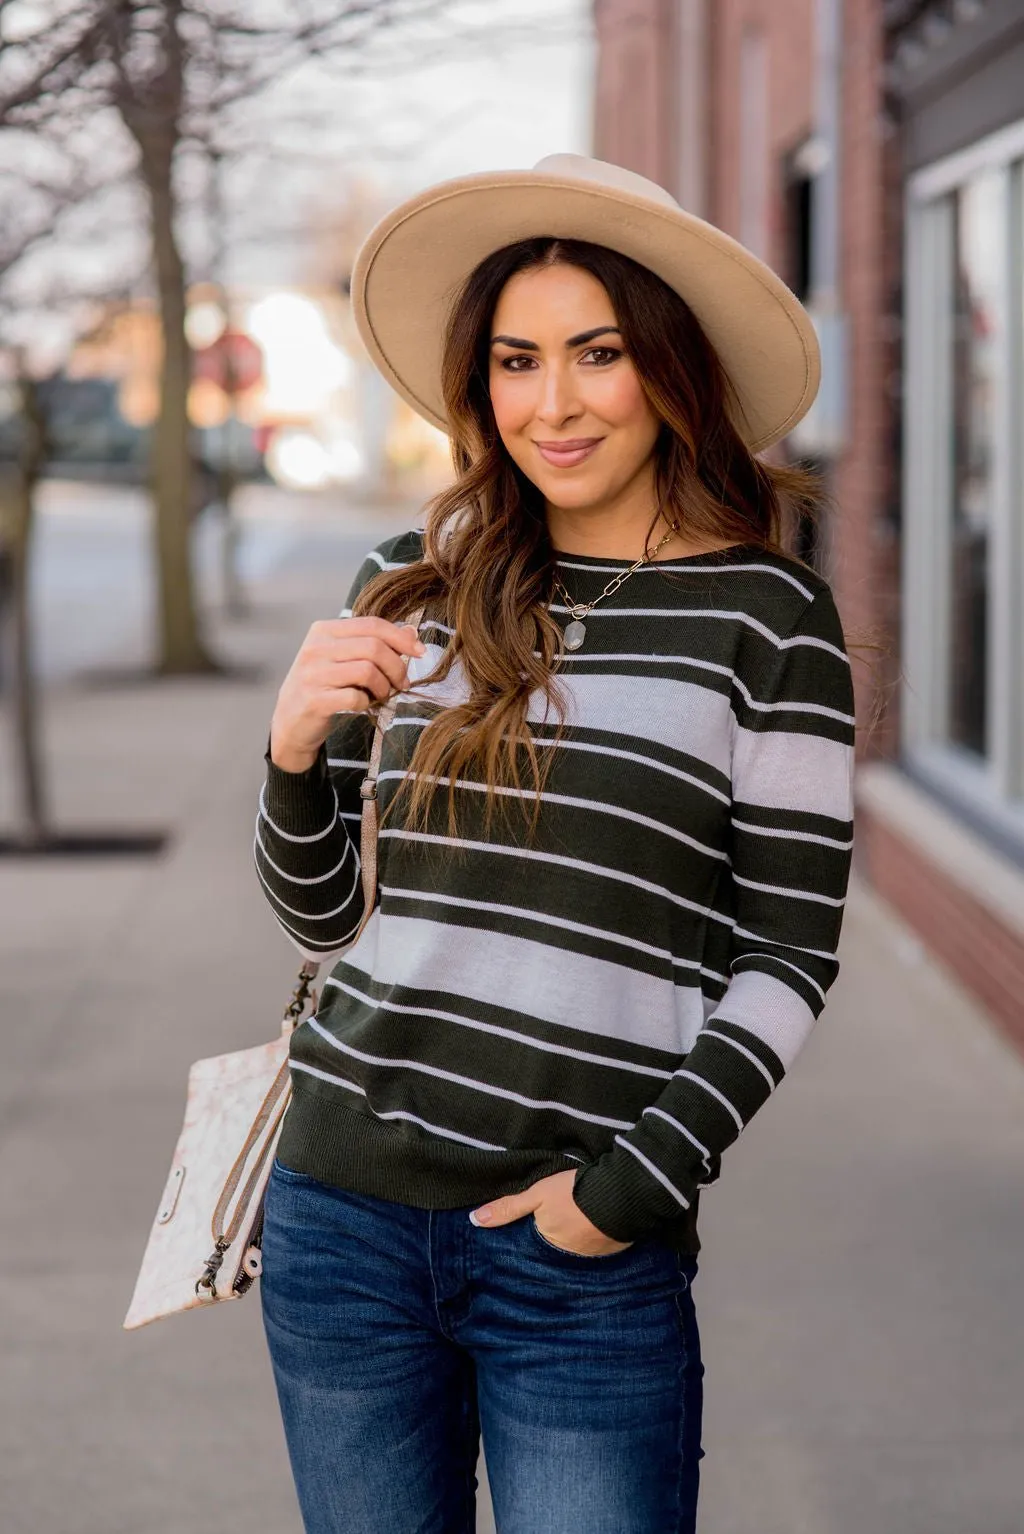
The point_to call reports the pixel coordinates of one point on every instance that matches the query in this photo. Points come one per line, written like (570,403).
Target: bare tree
(171,73)
(147,51)
(44,187)
(16,519)
(33,831)
(87,63)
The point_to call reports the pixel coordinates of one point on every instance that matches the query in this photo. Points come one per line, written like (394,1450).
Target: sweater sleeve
(307,830)
(791,841)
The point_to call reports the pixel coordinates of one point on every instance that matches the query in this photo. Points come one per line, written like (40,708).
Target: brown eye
(601,355)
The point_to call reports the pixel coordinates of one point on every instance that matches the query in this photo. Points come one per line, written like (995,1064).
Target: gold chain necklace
(576,631)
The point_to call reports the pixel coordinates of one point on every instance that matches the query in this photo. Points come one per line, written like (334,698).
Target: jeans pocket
(288,1174)
(588,1259)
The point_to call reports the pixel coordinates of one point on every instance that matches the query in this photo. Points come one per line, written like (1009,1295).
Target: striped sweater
(621,994)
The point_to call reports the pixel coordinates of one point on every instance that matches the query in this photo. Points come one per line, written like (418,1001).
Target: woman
(614,850)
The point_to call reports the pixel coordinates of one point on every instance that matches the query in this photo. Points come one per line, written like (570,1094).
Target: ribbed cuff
(624,1201)
(300,803)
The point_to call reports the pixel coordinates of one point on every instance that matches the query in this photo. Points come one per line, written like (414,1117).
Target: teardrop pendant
(575,633)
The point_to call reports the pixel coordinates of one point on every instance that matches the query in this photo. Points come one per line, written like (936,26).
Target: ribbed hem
(301,803)
(621,1199)
(369,1155)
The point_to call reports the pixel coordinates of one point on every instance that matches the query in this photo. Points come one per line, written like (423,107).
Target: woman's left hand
(559,1218)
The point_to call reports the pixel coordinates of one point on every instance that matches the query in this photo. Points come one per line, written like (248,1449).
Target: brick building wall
(761,76)
(758,57)
(634,120)
(782,29)
(864,555)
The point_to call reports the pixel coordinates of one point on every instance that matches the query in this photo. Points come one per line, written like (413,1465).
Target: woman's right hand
(344,666)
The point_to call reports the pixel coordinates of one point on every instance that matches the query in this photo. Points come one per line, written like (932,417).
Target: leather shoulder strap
(369,821)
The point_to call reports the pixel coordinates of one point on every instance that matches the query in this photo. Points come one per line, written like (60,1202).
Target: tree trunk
(227,483)
(235,604)
(32,820)
(227,469)
(150,106)
(181,646)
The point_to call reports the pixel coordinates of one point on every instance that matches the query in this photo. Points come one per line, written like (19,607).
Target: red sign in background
(234,361)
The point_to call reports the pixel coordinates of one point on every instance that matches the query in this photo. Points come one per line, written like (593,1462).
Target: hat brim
(414,262)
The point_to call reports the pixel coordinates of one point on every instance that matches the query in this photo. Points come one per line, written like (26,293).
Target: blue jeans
(397,1335)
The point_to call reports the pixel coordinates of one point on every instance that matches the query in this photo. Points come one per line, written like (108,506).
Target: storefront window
(976,343)
(962,714)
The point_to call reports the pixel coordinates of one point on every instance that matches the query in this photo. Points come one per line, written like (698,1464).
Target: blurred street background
(195,455)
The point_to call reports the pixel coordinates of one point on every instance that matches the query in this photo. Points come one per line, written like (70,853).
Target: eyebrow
(580,340)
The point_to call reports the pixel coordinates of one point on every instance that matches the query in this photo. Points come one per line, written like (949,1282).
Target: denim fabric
(398,1335)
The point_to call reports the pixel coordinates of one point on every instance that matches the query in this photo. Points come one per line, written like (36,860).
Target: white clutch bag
(204,1244)
(205,1240)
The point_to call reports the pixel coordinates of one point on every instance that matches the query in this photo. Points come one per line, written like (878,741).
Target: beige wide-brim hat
(413,264)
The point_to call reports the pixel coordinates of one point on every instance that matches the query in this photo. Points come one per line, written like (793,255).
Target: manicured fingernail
(480,1216)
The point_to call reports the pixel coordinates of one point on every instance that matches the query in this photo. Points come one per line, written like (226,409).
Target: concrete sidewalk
(862,1271)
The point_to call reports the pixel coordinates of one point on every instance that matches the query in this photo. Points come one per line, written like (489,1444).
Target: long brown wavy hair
(488,562)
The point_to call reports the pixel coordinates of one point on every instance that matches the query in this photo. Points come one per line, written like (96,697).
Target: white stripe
(597,806)
(346,761)
(401,1009)
(793,708)
(396,564)
(308,946)
(577,864)
(654,1171)
(684,569)
(540,1105)
(769,1009)
(691,661)
(616,751)
(804,640)
(685,1075)
(771,942)
(309,915)
(635,945)
(779,770)
(811,642)
(525,977)
(436,1129)
(704,1152)
(792,894)
(317,836)
(687,717)
(712,1033)
(339,1081)
(636,756)
(395,1113)
(320,878)
(796,836)
(773,958)
(656,660)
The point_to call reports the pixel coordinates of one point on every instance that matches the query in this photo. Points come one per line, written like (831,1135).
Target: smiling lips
(566,455)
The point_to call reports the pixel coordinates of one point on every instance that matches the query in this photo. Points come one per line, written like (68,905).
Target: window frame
(990,787)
